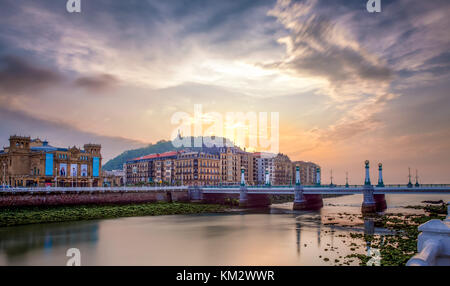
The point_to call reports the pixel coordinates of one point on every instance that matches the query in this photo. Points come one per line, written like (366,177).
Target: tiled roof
(152,156)
(47,148)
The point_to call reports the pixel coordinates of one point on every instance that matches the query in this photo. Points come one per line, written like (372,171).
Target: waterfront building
(153,168)
(230,166)
(232,159)
(246,160)
(195,168)
(283,172)
(262,163)
(27,163)
(308,172)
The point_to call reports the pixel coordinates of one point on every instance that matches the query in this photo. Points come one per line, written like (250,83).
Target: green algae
(33,215)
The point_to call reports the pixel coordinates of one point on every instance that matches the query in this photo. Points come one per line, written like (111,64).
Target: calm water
(278,236)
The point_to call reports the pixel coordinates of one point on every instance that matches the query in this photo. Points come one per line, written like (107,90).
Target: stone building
(231,161)
(307,172)
(198,168)
(283,172)
(153,168)
(246,159)
(28,163)
(230,166)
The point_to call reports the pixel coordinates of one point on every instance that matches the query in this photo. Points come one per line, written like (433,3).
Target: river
(276,236)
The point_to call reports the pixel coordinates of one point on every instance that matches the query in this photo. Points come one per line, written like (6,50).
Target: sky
(347,85)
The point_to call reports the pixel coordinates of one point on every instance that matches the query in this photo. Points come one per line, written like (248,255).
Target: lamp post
(409,176)
(380,175)
(56,177)
(73,172)
(318,176)
(417,179)
(4,175)
(367,179)
(331,178)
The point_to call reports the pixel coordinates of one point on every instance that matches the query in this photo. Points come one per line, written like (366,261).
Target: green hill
(160,147)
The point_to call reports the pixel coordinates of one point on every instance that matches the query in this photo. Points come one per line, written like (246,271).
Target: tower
(19,144)
(19,155)
(93,149)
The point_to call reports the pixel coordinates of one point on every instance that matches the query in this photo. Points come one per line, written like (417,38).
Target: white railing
(433,243)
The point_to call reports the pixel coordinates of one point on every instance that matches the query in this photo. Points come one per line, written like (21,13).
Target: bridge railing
(90,189)
(433,243)
(334,188)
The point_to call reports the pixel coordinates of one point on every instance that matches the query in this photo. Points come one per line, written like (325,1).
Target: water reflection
(17,242)
(298,231)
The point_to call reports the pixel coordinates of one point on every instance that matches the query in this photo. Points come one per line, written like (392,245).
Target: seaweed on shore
(397,248)
(32,215)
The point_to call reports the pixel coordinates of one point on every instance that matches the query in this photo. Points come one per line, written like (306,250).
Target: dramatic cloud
(319,47)
(97,83)
(17,74)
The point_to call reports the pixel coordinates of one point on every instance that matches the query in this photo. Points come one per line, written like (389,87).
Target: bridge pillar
(299,200)
(380,202)
(368,205)
(243,192)
(243,197)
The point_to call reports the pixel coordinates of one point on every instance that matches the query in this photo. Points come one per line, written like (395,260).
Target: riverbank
(34,215)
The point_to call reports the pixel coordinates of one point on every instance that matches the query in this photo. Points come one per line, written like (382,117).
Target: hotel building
(195,168)
(156,168)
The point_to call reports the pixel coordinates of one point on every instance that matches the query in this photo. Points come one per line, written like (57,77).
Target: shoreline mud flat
(391,236)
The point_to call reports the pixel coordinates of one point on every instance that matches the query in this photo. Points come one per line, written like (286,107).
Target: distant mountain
(160,147)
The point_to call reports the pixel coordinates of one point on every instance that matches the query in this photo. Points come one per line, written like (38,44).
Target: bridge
(305,196)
